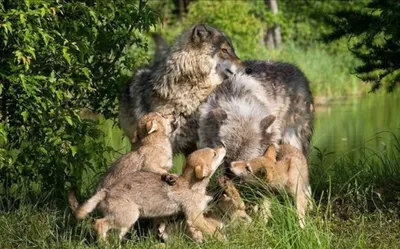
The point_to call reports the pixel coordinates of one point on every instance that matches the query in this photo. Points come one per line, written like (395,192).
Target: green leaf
(22,18)
(86,72)
(25,115)
(74,149)
(66,55)
(69,120)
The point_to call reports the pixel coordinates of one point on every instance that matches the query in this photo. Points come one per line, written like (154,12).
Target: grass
(356,206)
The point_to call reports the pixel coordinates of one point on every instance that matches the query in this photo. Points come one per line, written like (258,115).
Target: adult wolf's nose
(248,70)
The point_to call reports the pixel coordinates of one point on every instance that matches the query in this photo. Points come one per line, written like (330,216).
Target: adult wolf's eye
(224,50)
(215,153)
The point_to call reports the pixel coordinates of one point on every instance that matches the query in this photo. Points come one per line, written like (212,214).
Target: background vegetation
(62,64)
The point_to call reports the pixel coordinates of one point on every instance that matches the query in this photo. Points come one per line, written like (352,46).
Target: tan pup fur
(230,203)
(154,155)
(286,170)
(145,194)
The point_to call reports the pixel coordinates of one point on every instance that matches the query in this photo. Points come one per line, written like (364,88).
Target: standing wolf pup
(154,155)
(192,68)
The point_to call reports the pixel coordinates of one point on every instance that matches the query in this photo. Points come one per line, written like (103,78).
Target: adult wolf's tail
(88,206)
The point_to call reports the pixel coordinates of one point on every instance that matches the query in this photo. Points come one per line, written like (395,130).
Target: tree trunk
(273,37)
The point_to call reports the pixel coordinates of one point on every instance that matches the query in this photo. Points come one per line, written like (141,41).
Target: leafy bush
(57,57)
(376,29)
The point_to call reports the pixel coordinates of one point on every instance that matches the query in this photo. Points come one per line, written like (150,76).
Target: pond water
(367,122)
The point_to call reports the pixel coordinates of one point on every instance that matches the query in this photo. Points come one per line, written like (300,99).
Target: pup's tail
(88,206)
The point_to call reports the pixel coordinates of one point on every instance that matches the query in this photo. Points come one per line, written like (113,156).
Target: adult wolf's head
(205,42)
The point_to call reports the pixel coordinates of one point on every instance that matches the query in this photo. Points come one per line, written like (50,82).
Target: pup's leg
(198,224)
(125,215)
(194,233)
(102,226)
(159,229)
(301,205)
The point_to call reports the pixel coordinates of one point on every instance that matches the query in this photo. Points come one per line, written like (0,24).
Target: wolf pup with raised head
(154,155)
(189,71)
(144,194)
(286,170)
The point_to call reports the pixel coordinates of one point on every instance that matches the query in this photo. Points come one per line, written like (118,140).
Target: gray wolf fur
(197,62)
(237,112)
(286,170)
(144,194)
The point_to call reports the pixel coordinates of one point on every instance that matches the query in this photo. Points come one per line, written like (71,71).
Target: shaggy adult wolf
(239,112)
(176,85)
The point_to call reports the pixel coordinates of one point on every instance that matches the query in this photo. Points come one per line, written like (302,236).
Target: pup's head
(152,123)
(261,167)
(217,45)
(204,162)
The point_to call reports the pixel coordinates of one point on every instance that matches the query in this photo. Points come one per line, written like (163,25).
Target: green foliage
(57,57)
(378,46)
(237,20)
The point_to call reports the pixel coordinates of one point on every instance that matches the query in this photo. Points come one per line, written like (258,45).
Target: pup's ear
(238,164)
(271,153)
(200,33)
(267,122)
(201,171)
(151,126)
(135,137)
(219,114)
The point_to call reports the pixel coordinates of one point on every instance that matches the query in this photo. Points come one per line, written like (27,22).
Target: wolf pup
(191,69)
(144,194)
(154,155)
(287,170)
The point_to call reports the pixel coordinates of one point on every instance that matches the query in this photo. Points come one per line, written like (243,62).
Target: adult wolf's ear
(200,33)
(201,171)
(218,114)
(267,122)
(151,126)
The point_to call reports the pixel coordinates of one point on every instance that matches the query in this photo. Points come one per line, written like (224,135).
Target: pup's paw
(222,181)
(170,178)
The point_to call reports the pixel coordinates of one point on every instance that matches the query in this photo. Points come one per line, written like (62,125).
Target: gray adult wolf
(270,105)
(197,62)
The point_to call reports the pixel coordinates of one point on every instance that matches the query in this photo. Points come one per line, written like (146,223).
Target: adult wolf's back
(193,67)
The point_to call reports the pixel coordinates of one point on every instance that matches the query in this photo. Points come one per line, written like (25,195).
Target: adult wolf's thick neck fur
(187,77)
